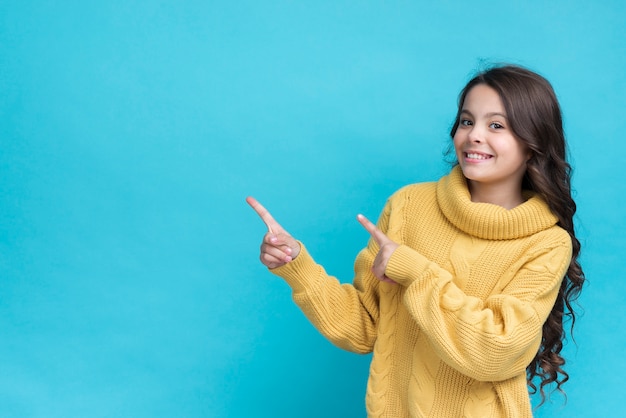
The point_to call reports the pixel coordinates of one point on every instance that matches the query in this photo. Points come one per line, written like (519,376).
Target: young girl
(462,291)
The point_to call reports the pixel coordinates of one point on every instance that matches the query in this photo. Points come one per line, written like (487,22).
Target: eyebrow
(489,115)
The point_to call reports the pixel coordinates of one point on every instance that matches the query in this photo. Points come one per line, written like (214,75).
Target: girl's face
(487,150)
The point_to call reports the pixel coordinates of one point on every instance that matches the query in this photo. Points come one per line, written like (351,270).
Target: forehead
(484,99)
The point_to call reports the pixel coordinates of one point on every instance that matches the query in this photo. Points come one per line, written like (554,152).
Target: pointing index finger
(263,213)
(376,233)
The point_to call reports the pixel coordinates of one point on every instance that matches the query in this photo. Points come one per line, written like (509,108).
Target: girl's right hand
(278,247)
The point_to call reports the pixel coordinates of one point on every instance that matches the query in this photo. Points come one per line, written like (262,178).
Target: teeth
(473,156)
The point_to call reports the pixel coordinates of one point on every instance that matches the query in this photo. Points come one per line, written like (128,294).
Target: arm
(487,340)
(345,314)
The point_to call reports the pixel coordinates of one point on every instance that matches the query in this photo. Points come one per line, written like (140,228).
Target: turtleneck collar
(488,221)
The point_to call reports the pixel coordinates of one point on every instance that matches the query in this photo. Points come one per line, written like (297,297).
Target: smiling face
(489,154)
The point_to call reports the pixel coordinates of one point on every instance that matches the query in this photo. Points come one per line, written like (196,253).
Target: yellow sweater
(453,338)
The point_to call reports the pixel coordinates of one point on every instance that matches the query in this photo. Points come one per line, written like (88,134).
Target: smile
(476,156)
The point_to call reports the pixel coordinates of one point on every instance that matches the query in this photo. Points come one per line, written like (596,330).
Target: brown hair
(535,118)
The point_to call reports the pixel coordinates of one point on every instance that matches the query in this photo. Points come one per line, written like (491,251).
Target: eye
(465,122)
(496,125)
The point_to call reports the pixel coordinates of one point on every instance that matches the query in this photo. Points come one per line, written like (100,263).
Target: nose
(476,135)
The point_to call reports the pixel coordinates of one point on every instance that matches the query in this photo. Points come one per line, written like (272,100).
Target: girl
(462,291)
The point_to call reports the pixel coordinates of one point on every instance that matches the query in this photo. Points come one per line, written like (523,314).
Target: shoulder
(555,236)
(415,190)
(554,240)
(411,200)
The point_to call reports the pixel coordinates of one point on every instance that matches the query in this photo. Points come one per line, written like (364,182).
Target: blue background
(132,131)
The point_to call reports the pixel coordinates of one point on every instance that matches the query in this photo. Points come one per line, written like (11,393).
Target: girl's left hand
(386,248)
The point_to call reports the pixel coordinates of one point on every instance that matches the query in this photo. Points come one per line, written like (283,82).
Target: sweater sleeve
(488,340)
(346,314)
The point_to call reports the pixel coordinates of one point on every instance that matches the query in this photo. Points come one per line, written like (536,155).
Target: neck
(502,195)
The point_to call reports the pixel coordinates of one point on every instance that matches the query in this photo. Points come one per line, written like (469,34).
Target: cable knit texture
(475,283)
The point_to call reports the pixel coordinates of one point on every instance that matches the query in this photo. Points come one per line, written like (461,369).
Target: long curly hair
(534,116)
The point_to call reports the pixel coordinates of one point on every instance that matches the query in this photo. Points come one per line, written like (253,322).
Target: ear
(529,154)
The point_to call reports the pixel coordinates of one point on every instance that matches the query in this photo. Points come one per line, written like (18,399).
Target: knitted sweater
(475,283)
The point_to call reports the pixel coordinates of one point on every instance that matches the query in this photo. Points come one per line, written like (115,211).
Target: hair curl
(534,116)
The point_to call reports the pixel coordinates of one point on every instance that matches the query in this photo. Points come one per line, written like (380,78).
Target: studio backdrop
(132,131)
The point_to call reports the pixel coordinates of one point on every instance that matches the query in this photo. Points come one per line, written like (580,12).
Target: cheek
(523,152)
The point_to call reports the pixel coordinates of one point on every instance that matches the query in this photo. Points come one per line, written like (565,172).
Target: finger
(264,214)
(276,241)
(271,262)
(273,255)
(378,235)
(388,280)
